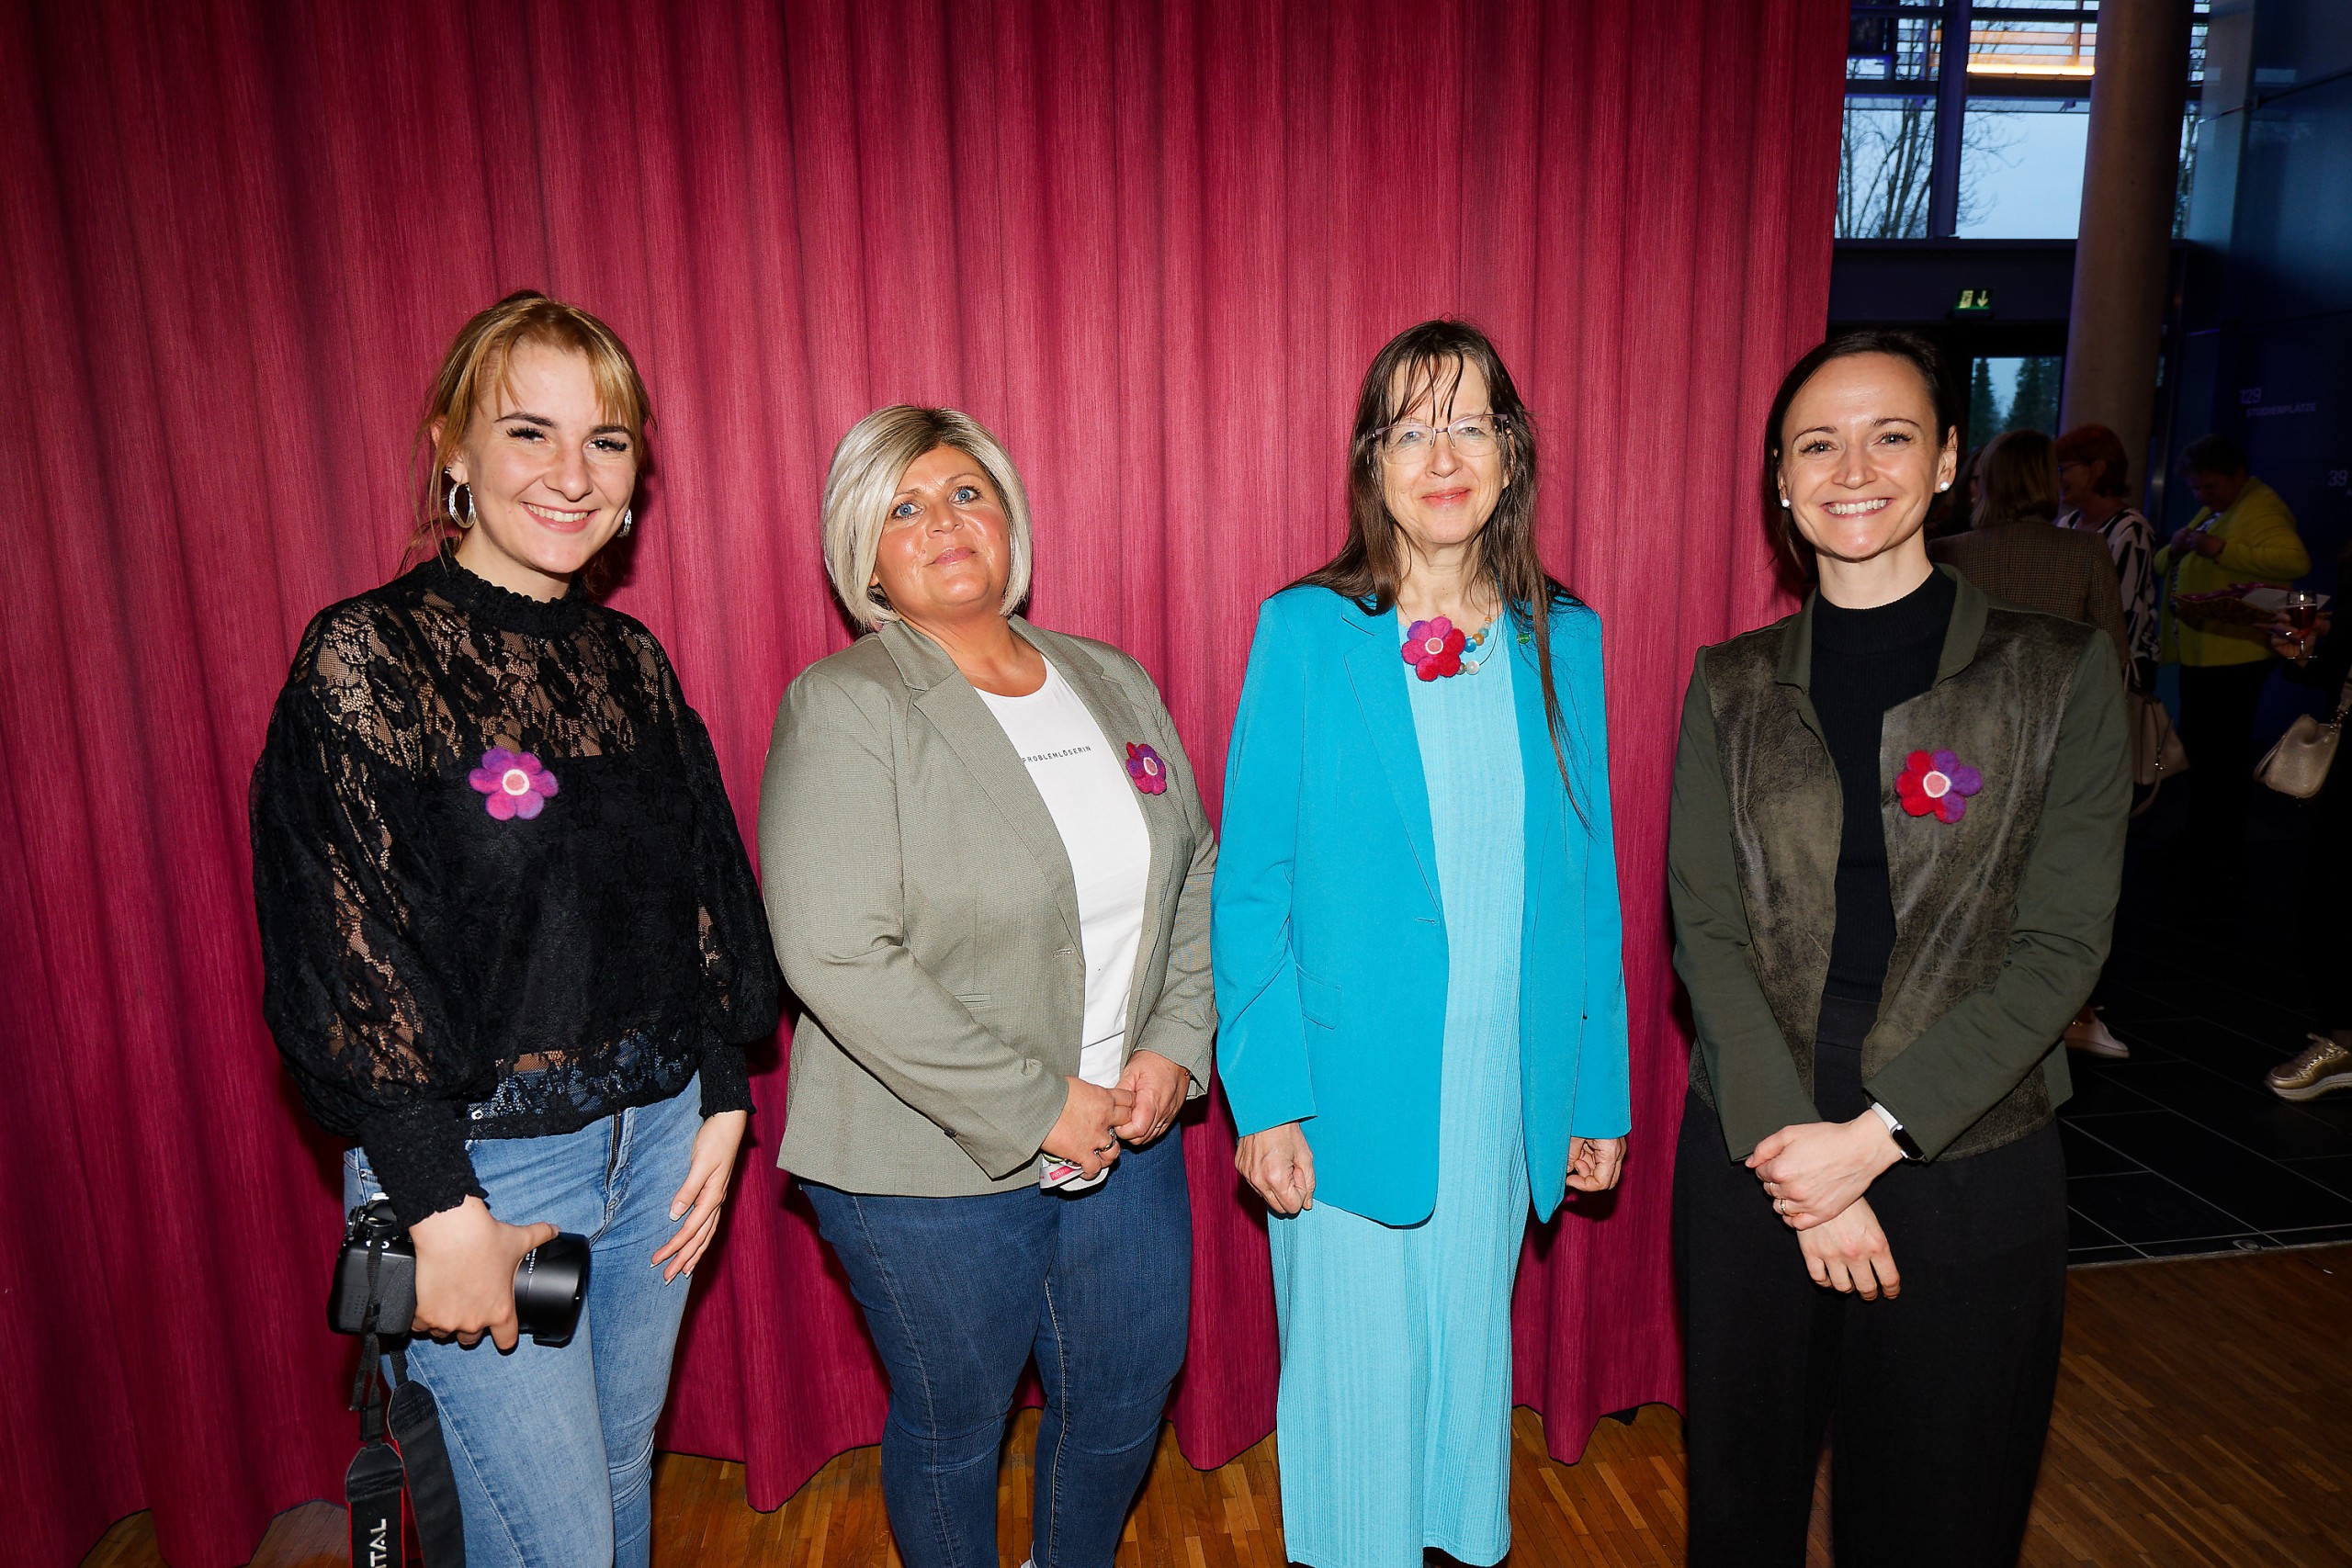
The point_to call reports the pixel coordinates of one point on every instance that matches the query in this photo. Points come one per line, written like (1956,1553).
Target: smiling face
(1443,496)
(1859,457)
(549,471)
(946,547)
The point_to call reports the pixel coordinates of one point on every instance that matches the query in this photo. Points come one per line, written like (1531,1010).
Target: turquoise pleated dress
(1393,1419)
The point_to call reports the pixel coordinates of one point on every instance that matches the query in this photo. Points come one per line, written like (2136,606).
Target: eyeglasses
(1474,435)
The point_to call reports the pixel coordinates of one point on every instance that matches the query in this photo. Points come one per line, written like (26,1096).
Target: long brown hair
(1427,361)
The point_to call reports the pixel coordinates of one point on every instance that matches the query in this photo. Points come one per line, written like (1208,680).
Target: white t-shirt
(1085,785)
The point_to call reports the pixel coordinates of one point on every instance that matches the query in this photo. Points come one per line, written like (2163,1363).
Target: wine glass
(2299,612)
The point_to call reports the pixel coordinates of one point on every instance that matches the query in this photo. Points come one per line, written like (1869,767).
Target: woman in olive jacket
(1897,838)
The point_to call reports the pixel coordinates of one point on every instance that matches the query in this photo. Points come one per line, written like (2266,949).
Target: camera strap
(432,1484)
(373,1486)
(400,1451)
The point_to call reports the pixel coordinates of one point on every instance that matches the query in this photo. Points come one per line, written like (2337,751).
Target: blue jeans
(553,1449)
(960,1292)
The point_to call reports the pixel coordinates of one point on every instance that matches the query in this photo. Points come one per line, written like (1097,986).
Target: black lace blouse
(501,890)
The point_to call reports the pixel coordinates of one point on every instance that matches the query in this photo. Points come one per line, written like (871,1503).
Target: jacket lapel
(1546,798)
(964,722)
(1376,668)
(1120,723)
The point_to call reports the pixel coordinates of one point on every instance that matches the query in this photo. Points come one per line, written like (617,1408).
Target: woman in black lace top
(512,941)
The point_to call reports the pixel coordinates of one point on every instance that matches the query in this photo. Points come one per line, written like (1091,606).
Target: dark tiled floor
(2181,1150)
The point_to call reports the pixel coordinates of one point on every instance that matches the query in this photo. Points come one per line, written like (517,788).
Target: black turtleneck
(501,889)
(1864,662)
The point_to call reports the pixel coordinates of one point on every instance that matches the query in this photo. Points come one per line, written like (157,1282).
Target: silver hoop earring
(466,520)
(628,521)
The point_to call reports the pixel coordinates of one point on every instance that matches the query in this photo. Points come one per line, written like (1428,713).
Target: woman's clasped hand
(1849,1253)
(1813,1170)
(1087,1132)
(1157,1086)
(1815,1174)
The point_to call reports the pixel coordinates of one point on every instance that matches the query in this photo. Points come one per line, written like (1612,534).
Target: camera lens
(550,1284)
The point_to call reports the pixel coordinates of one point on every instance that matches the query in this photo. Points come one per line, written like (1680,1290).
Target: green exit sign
(1973,302)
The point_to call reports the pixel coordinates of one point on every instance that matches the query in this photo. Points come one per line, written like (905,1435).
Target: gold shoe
(2325,1067)
(2088,1034)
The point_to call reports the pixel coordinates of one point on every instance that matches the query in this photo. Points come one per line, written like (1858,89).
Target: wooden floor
(2204,1417)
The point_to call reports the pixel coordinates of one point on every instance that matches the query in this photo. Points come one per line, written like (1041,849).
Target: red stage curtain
(1152,246)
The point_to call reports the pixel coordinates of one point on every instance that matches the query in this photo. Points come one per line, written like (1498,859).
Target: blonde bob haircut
(868,467)
(474,371)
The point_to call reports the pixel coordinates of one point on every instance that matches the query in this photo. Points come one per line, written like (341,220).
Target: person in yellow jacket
(2242,533)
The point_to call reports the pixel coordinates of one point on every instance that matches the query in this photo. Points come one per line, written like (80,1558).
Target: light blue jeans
(553,1450)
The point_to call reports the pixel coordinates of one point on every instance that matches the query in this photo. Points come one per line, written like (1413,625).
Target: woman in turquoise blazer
(1416,945)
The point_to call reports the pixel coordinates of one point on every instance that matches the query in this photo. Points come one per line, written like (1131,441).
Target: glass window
(1882,176)
(2022,168)
(2013,394)
(1891,41)
(2012,44)
(2024,132)
(2187,181)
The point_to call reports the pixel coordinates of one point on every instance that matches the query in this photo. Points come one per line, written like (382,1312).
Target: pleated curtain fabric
(1151,245)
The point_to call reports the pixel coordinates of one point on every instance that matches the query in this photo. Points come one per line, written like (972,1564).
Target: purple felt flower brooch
(1145,767)
(515,783)
(1937,782)
(1434,648)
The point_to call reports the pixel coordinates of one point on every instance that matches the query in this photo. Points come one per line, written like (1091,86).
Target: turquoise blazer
(1328,935)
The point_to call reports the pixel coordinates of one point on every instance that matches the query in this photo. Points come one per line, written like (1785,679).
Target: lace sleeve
(742,988)
(357,1019)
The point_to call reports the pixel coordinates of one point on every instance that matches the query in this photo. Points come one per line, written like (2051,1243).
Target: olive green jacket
(2002,918)
(926,917)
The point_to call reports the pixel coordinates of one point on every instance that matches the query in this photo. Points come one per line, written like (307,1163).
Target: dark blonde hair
(475,367)
(2017,480)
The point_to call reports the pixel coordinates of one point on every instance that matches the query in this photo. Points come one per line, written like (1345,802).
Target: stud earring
(628,520)
(1945,485)
(1784,503)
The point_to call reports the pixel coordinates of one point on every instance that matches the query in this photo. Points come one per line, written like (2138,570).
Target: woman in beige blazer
(988,873)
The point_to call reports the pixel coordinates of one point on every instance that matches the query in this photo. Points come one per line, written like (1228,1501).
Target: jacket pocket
(1318,1000)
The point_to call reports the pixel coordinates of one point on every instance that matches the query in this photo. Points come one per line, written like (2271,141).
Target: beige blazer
(926,915)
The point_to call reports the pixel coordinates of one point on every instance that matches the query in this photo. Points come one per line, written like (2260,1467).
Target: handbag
(2157,751)
(2298,765)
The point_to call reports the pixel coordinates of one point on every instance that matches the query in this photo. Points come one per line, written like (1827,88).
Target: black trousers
(1936,1404)
(2219,704)
(2324,913)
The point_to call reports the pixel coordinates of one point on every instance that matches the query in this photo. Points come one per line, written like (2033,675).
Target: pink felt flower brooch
(1144,766)
(515,783)
(1937,782)
(1434,648)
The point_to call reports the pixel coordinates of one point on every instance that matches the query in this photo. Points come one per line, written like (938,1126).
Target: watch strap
(1903,1139)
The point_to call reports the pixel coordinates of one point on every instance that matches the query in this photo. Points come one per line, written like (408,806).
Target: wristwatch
(1903,1139)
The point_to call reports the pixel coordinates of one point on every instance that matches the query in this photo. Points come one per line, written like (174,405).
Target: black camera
(549,1283)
